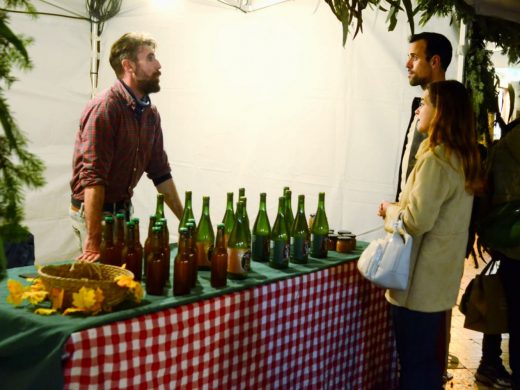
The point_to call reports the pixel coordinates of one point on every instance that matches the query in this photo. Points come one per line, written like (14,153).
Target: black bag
(484,303)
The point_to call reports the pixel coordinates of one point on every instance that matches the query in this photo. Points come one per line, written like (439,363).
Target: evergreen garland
(18,166)
(479,73)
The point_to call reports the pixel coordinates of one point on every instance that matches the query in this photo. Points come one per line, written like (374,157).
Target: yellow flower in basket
(87,289)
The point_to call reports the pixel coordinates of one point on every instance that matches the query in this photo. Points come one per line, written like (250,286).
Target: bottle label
(319,245)
(300,248)
(204,251)
(279,252)
(260,248)
(239,261)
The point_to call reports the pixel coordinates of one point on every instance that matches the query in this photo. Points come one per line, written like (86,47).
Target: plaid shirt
(114,146)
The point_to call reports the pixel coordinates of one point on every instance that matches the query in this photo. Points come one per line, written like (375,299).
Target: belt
(108,207)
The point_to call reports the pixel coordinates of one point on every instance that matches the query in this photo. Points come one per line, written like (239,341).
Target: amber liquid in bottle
(133,253)
(155,277)
(219,260)
(181,268)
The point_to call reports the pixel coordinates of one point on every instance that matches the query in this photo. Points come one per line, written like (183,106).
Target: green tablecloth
(31,346)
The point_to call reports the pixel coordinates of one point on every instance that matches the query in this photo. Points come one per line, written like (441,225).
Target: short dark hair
(127,47)
(436,44)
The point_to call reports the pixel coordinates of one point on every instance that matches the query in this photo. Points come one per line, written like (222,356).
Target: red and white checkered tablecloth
(324,330)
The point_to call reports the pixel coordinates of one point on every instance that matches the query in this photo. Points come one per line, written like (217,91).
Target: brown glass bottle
(133,253)
(108,252)
(166,245)
(138,244)
(119,236)
(148,244)
(155,277)
(181,268)
(192,253)
(219,259)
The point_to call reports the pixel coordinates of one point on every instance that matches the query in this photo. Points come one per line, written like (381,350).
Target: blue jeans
(421,347)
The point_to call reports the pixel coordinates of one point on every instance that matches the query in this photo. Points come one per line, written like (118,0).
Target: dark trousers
(421,347)
(509,272)
(511,280)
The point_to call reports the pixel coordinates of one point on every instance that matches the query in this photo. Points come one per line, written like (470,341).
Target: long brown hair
(453,125)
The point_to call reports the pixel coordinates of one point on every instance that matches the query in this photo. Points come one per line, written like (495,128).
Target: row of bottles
(290,238)
(228,256)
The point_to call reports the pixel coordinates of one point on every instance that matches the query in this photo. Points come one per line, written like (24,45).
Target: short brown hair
(127,47)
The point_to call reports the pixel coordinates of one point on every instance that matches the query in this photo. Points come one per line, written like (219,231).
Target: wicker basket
(71,277)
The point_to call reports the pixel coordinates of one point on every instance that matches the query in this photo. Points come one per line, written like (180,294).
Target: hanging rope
(99,11)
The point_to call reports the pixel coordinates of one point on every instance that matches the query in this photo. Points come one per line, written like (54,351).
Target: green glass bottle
(261,233)
(239,248)
(241,192)
(205,237)
(288,213)
(188,211)
(300,235)
(279,243)
(229,217)
(245,218)
(285,189)
(320,230)
(159,207)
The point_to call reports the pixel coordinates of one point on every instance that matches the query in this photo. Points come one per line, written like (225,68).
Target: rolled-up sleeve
(97,144)
(158,165)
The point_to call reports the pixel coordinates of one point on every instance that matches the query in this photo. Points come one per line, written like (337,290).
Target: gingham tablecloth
(325,330)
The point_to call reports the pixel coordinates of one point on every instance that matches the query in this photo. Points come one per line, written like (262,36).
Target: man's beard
(148,86)
(416,80)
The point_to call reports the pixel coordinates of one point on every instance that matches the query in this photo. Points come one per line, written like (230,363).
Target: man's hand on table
(90,253)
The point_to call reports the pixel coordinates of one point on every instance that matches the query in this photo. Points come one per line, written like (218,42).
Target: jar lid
(344,232)
(343,238)
(331,235)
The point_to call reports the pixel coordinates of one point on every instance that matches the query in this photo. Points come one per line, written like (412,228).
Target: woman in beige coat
(435,206)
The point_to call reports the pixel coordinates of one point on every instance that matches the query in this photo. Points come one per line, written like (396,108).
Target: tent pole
(94,57)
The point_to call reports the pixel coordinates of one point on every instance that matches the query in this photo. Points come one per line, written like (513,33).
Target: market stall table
(319,325)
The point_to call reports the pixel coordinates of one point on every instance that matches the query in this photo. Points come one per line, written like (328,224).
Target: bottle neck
(281,206)
(205,207)
(301,206)
(159,208)
(229,203)
(220,242)
(108,235)
(262,206)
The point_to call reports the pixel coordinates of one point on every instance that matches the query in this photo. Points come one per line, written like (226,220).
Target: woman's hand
(382,208)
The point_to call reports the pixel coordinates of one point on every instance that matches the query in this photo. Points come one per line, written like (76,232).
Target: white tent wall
(260,100)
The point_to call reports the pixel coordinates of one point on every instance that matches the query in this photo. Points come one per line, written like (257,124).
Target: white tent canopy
(259,100)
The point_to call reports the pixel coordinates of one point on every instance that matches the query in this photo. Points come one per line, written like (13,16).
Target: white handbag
(386,261)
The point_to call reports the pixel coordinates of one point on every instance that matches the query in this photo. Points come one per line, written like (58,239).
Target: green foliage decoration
(18,166)
(479,74)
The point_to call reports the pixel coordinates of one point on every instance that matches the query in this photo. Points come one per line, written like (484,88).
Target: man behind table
(119,138)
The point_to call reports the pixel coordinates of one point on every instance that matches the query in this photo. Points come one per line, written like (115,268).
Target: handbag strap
(489,266)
